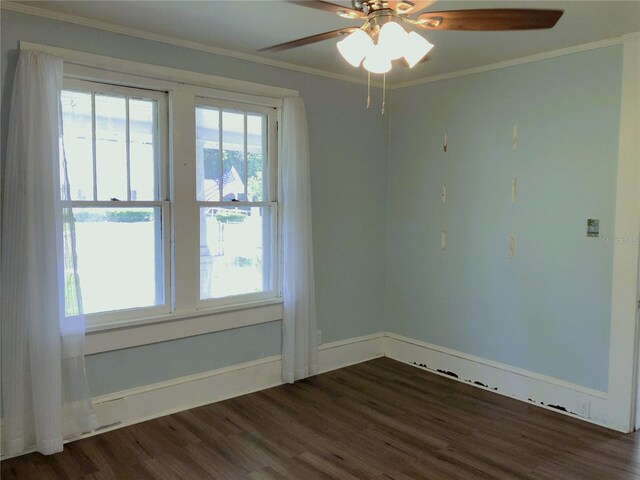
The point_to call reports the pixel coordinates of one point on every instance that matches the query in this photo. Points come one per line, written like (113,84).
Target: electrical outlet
(319,334)
(583,408)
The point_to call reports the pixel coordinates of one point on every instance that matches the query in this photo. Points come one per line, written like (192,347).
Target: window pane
(207,154)
(233,165)
(78,143)
(120,256)
(111,147)
(234,251)
(142,149)
(256,129)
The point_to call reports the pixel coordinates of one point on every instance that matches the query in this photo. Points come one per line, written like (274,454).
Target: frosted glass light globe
(392,38)
(415,48)
(377,60)
(355,47)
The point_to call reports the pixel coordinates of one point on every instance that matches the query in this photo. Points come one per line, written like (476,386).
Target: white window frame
(163,202)
(183,86)
(271,202)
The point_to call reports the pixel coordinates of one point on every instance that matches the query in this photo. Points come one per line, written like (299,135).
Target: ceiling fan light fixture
(355,47)
(415,48)
(377,60)
(350,14)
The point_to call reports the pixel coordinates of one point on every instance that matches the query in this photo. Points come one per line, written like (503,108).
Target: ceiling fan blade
(399,6)
(490,19)
(307,40)
(330,7)
(421,5)
(409,6)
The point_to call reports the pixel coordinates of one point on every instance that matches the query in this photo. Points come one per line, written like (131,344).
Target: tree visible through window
(234,160)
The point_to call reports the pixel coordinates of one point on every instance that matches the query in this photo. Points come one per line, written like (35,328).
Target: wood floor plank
(216,462)
(380,420)
(266,474)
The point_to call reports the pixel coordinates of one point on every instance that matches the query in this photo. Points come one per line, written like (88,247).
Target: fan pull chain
(384,91)
(368,90)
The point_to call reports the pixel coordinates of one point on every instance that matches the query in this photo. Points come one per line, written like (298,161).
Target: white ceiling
(245,26)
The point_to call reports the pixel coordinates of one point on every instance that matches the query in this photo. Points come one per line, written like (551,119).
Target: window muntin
(116,143)
(113,142)
(238,214)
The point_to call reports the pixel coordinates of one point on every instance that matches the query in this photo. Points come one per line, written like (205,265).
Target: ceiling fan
(382,39)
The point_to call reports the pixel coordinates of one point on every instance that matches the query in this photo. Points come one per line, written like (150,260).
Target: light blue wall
(548,309)
(349,179)
(115,371)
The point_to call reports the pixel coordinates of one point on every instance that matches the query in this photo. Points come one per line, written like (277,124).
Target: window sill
(132,333)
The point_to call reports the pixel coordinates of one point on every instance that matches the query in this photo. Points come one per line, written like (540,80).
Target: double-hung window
(236,201)
(131,202)
(114,144)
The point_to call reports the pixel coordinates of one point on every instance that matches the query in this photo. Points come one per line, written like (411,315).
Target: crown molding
(109,27)
(132,32)
(519,61)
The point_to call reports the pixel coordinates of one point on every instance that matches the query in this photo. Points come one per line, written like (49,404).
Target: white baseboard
(332,356)
(540,390)
(128,407)
(136,405)
(151,401)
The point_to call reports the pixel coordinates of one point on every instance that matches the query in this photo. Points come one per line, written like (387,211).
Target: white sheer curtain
(299,337)
(45,392)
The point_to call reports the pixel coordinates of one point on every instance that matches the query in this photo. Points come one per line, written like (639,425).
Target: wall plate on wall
(593,227)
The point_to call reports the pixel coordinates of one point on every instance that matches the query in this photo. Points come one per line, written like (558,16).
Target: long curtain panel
(44,387)
(299,337)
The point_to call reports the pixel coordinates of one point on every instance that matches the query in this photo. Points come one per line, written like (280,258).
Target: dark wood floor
(376,420)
